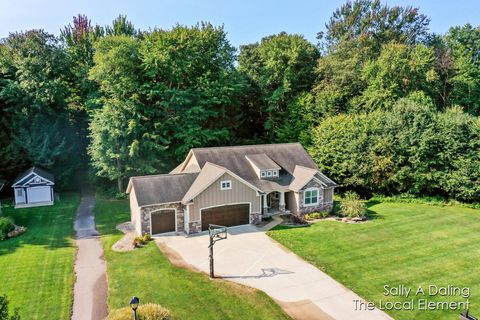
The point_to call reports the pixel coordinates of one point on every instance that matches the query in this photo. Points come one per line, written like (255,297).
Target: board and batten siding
(213,196)
(135,211)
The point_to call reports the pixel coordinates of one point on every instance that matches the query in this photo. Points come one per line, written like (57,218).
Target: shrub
(351,205)
(297,218)
(4,310)
(147,237)
(6,225)
(148,311)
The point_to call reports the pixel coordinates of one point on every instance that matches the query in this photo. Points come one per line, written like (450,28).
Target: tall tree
(125,138)
(354,36)
(464,43)
(282,68)
(34,69)
(191,77)
(373,24)
(78,39)
(397,72)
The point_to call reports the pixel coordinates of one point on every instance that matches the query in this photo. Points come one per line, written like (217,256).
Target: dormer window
(269,173)
(264,174)
(275,173)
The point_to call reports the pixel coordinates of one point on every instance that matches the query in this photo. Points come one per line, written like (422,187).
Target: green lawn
(188,295)
(36,268)
(408,244)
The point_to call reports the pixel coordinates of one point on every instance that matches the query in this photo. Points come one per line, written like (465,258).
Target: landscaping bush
(148,311)
(4,310)
(297,218)
(351,205)
(140,241)
(6,225)
(316,215)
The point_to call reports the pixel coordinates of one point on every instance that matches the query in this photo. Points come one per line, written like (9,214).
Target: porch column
(281,204)
(265,205)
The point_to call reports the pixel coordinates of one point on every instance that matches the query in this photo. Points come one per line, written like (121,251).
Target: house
(34,188)
(229,186)
(2,184)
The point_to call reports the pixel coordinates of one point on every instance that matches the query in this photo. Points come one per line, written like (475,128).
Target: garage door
(232,215)
(39,194)
(163,221)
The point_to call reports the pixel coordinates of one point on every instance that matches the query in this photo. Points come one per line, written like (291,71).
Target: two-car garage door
(230,215)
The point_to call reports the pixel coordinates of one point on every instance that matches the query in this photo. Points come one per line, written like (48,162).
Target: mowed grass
(36,268)
(407,244)
(147,274)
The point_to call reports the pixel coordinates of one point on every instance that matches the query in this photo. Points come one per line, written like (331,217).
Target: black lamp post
(134,304)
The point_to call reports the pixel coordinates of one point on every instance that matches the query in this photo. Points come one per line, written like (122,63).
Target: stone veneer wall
(322,206)
(255,218)
(145,215)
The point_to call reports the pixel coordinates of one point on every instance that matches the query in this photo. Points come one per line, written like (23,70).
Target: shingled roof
(286,156)
(161,188)
(38,171)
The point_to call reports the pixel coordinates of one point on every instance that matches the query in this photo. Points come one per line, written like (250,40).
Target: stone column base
(281,208)
(194,227)
(255,218)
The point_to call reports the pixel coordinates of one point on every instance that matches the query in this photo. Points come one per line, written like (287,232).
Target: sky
(245,21)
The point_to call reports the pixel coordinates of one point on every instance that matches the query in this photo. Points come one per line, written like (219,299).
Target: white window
(310,197)
(269,173)
(263,174)
(275,173)
(226,185)
(19,192)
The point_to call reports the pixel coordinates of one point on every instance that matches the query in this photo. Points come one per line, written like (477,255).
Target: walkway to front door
(250,257)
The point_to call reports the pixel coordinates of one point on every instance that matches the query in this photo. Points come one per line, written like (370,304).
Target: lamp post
(134,304)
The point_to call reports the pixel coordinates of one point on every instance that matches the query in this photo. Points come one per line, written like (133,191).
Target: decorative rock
(357,219)
(16,232)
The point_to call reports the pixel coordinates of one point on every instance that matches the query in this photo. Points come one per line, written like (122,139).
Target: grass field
(188,295)
(409,244)
(36,268)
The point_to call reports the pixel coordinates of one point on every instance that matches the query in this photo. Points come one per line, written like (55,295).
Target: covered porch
(275,202)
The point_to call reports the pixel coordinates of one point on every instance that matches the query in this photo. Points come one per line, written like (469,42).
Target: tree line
(382,104)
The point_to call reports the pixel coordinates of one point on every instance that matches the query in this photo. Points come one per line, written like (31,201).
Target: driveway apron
(90,290)
(248,256)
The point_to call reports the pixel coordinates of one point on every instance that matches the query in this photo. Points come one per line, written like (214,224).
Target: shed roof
(38,171)
(262,161)
(162,188)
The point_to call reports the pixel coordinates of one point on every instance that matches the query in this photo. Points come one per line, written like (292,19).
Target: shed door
(231,215)
(163,221)
(39,194)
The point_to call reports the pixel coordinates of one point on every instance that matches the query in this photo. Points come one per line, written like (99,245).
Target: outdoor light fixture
(134,304)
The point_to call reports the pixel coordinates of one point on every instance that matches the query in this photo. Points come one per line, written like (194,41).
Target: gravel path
(90,290)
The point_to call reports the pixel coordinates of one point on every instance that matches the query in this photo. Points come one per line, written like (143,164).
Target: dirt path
(90,290)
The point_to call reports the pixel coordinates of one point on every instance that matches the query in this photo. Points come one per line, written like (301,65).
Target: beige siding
(292,200)
(190,161)
(135,211)
(328,195)
(213,196)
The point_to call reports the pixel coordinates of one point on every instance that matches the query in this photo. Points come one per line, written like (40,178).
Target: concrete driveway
(248,256)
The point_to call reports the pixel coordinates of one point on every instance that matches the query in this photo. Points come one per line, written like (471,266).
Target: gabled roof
(286,156)
(208,175)
(161,188)
(36,171)
(303,175)
(262,161)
